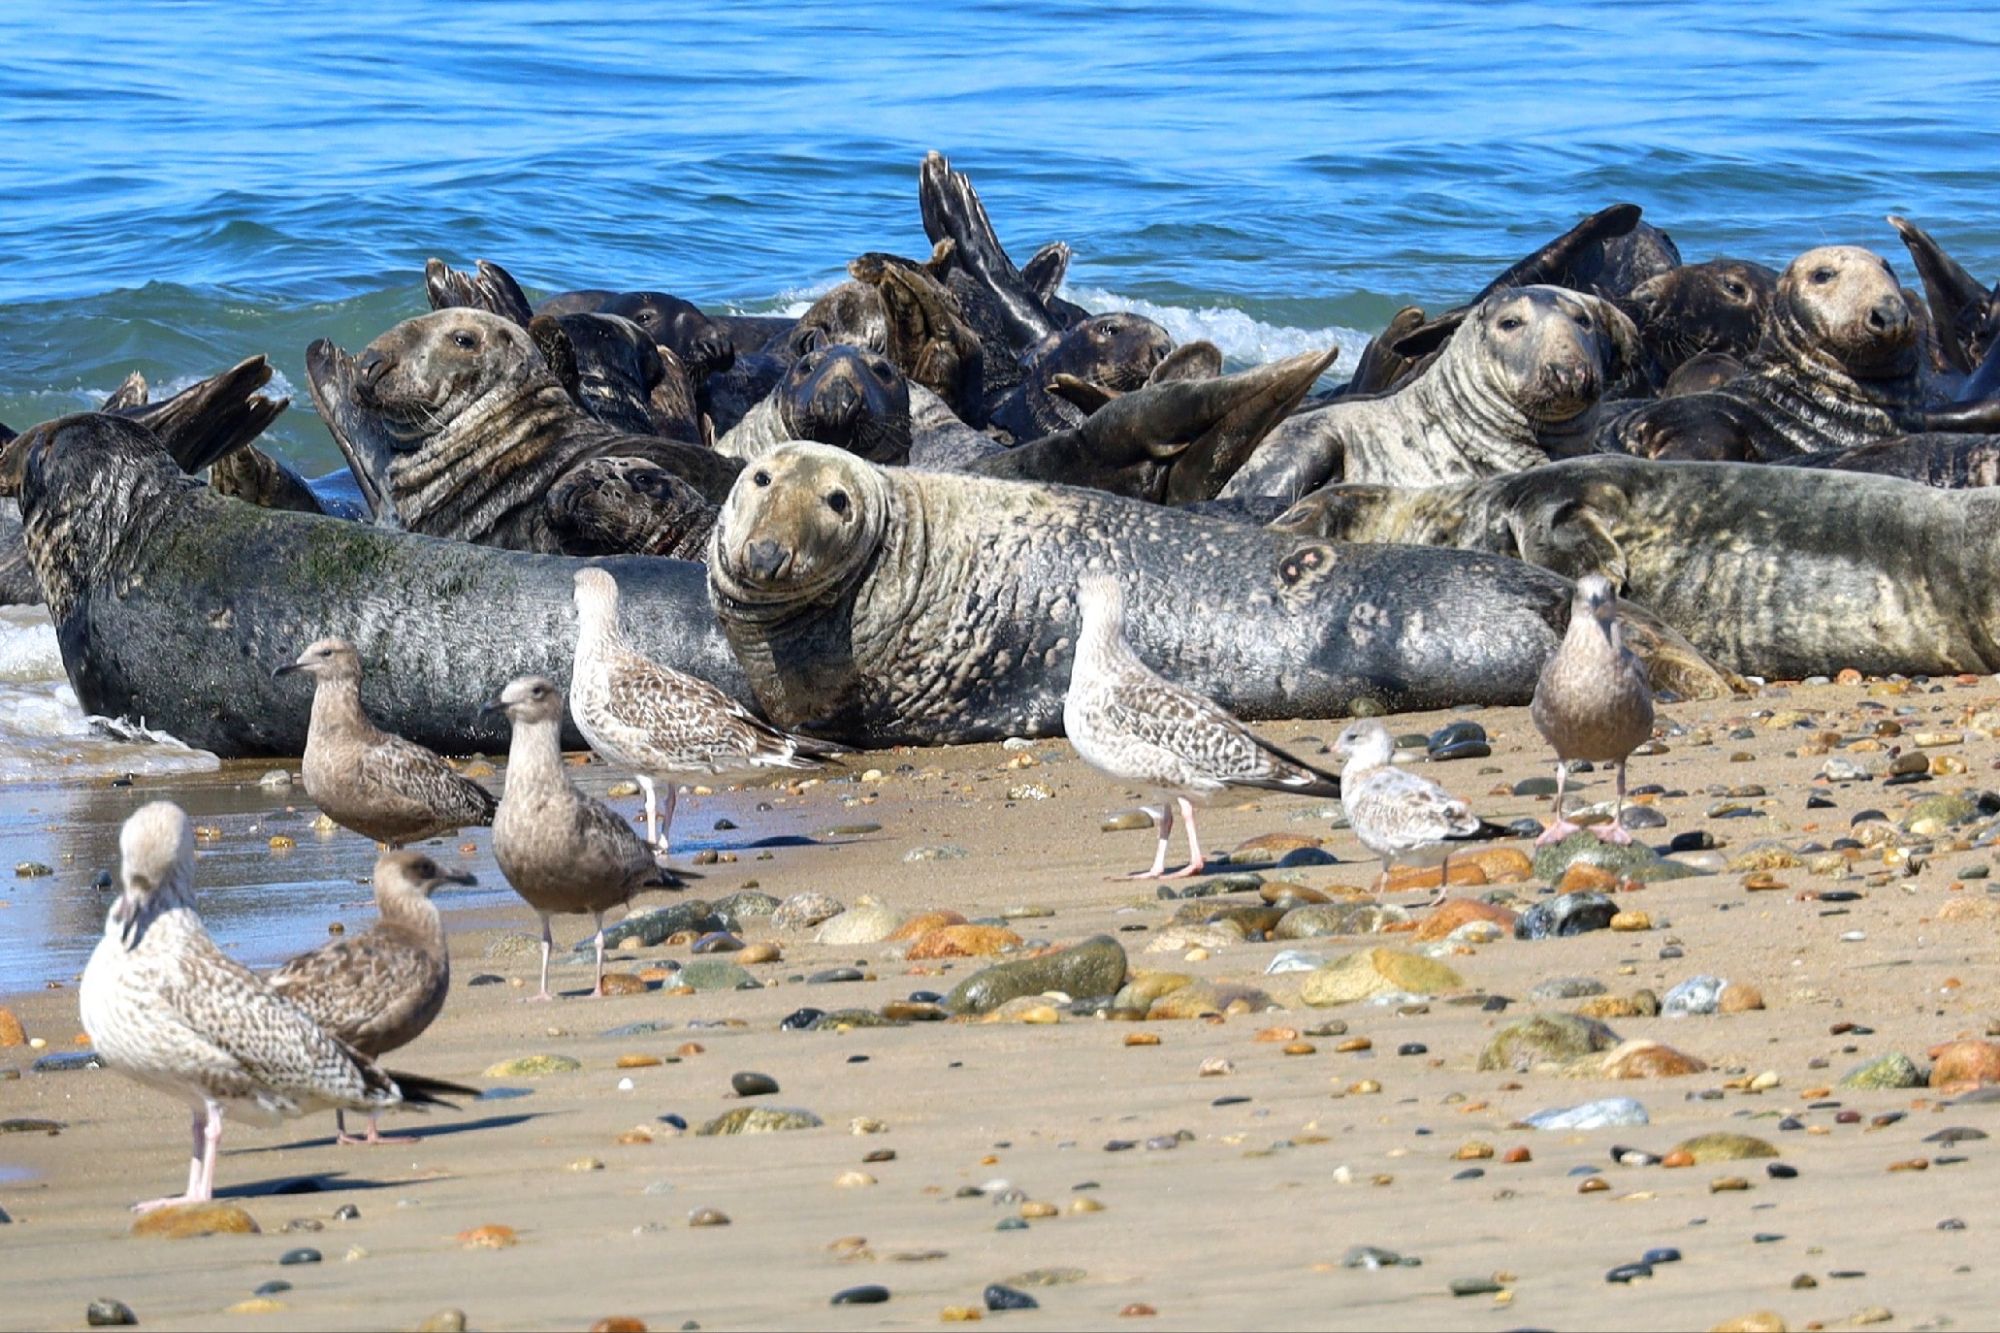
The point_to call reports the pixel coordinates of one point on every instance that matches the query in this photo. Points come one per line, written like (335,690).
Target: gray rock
(1607,1113)
(1294,960)
(711,974)
(1566,988)
(938,853)
(656,925)
(1544,1039)
(1565,914)
(747,902)
(1094,967)
(802,911)
(1635,861)
(1696,995)
(761,1120)
(1894,1070)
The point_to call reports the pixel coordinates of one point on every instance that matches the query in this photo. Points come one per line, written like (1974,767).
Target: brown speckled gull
(1128,721)
(1592,701)
(561,850)
(164,1006)
(379,989)
(655,721)
(380,785)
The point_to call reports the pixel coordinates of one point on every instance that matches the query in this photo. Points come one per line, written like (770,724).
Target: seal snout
(1889,315)
(765,559)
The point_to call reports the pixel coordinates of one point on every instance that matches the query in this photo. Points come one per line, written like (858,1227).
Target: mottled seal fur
(834,394)
(454,423)
(1518,382)
(1838,367)
(1772,571)
(172,604)
(1717,308)
(905,606)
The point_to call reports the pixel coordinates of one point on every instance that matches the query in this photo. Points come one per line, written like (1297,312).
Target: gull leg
(1617,832)
(195,1156)
(598,989)
(1196,861)
(1444,880)
(1163,821)
(1560,828)
(375,1135)
(667,815)
(212,1134)
(652,826)
(543,994)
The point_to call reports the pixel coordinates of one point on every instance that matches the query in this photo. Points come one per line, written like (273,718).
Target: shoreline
(1244,1219)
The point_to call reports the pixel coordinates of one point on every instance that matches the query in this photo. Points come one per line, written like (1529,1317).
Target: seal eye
(881,369)
(1736,289)
(1509,323)
(1821,276)
(762,478)
(837,502)
(1583,321)
(464,340)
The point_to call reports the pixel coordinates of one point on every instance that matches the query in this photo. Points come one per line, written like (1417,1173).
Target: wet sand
(1244,1220)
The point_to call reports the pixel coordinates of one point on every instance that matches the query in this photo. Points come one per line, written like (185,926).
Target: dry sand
(1244,1221)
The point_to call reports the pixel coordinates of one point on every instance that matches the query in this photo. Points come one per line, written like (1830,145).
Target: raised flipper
(929,340)
(330,379)
(253,476)
(132,391)
(491,289)
(1960,304)
(213,418)
(951,208)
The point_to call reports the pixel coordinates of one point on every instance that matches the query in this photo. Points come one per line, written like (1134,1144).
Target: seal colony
(868,524)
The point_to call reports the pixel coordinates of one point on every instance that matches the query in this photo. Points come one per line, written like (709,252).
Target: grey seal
(1772,571)
(899,606)
(1519,381)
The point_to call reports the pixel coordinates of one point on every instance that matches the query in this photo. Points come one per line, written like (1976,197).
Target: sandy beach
(1097,1169)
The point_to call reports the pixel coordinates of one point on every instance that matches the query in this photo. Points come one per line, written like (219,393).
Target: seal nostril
(764,558)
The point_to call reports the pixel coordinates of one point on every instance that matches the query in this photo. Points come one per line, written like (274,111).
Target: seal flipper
(493,290)
(212,419)
(330,376)
(1234,413)
(929,340)
(1673,665)
(951,208)
(131,392)
(1960,304)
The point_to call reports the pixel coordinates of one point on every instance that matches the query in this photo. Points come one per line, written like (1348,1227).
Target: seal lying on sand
(891,606)
(1781,572)
(1517,383)
(171,603)
(455,425)
(1838,368)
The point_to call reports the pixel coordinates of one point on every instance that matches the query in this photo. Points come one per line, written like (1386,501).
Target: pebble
(1627,1272)
(999,1296)
(299,1256)
(1606,1113)
(708,1217)
(444,1321)
(1474,1286)
(871,1294)
(107,1313)
(760,1120)
(747,1084)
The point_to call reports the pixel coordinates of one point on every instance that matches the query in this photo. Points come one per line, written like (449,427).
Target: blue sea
(186,185)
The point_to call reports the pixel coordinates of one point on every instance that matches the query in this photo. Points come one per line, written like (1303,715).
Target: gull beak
(464,878)
(286,670)
(490,707)
(125,912)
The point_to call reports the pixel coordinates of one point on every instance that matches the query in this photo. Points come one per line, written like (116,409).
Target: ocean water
(188,185)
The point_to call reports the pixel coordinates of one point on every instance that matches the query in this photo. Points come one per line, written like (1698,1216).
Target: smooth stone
(717,941)
(1627,1272)
(760,1120)
(716,974)
(837,1019)
(1474,1286)
(195,1219)
(1891,1071)
(834,976)
(802,911)
(1566,988)
(1635,861)
(1097,966)
(1666,1254)
(747,902)
(503,1094)
(302,1256)
(1293,960)
(870,1294)
(942,852)
(444,1321)
(1317,920)
(1546,1039)
(1697,995)
(1725,1147)
(64,1062)
(1368,972)
(533,1066)
(1606,1113)
(865,923)
(1565,914)
(1372,1257)
(999,1296)
(1535,787)
(656,925)
(800,1020)
(107,1313)
(1642,817)
(747,1084)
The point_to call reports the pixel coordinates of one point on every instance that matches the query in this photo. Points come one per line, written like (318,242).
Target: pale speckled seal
(1772,571)
(904,606)
(173,604)
(1518,382)
(1838,368)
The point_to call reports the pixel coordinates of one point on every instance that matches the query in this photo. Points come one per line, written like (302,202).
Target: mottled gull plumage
(656,722)
(1592,701)
(1394,811)
(165,1006)
(1128,721)
(561,850)
(378,990)
(366,779)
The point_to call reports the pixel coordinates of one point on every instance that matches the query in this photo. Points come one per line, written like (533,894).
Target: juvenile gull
(656,721)
(1128,721)
(381,786)
(561,850)
(1394,811)
(1592,701)
(378,990)
(164,1006)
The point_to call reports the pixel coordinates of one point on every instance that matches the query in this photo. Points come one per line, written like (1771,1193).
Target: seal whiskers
(1128,721)
(1592,701)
